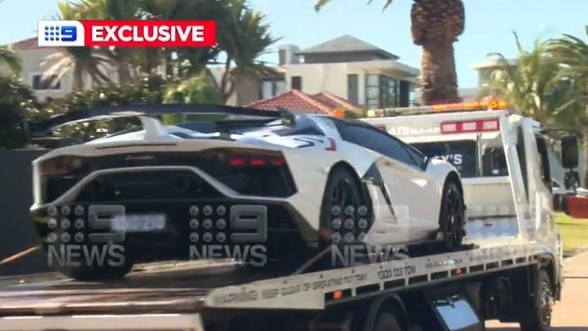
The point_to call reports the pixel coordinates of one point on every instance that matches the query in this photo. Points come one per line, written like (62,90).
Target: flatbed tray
(151,290)
(190,287)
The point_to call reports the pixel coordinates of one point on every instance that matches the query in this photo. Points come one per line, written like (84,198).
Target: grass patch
(573,232)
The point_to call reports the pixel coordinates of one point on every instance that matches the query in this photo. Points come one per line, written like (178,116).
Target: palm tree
(181,63)
(11,59)
(572,54)
(81,61)
(244,36)
(436,24)
(115,10)
(198,89)
(532,85)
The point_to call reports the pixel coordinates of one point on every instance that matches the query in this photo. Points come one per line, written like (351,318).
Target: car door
(406,183)
(413,186)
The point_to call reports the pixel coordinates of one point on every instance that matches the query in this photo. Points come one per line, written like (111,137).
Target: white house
(345,66)
(32,57)
(350,68)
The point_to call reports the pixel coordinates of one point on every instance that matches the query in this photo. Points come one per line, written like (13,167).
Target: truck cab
(503,160)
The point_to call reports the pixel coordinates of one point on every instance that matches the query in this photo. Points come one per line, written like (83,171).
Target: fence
(16,198)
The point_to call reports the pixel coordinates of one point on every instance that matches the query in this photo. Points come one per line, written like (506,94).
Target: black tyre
(386,322)
(346,213)
(535,314)
(452,216)
(96,273)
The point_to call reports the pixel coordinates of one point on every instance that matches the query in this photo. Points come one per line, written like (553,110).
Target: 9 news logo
(60,33)
(66,33)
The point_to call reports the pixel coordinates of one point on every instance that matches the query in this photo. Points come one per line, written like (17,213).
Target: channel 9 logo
(60,33)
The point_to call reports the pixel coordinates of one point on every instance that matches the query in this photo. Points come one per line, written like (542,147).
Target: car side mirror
(569,152)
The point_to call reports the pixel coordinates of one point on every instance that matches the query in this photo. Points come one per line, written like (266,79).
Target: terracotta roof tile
(335,100)
(30,43)
(323,102)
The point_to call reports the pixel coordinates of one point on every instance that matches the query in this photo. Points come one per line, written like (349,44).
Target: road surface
(571,314)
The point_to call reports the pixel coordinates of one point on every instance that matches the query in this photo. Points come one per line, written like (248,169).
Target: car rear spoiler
(44,127)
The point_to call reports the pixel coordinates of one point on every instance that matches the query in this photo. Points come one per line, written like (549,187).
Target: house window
(404,96)
(296,83)
(353,88)
(271,88)
(382,92)
(50,83)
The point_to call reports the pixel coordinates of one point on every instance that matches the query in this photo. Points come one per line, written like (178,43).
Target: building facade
(350,68)
(34,66)
(347,67)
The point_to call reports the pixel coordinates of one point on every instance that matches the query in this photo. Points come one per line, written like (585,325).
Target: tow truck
(510,268)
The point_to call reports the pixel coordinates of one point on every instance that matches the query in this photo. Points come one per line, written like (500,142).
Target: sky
(489,25)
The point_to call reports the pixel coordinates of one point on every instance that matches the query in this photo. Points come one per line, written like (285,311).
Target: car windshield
(462,154)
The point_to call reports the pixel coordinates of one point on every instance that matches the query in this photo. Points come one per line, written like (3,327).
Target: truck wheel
(536,312)
(386,322)
(452,216)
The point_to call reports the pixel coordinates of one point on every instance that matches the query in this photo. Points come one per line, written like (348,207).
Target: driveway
(571,314)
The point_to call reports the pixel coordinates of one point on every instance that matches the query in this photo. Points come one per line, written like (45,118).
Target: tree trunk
(438,76)
(78,80)
(226,85)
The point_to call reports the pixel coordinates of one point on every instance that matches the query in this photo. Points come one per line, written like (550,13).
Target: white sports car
(287,185)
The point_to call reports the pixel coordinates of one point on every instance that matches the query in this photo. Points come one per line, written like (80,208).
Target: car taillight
(245,158)
(61,165)
(470,126)
(249,171)
(238,161)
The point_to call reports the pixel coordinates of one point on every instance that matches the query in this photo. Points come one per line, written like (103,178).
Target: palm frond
(11,59)
(534,84)
(319,4)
